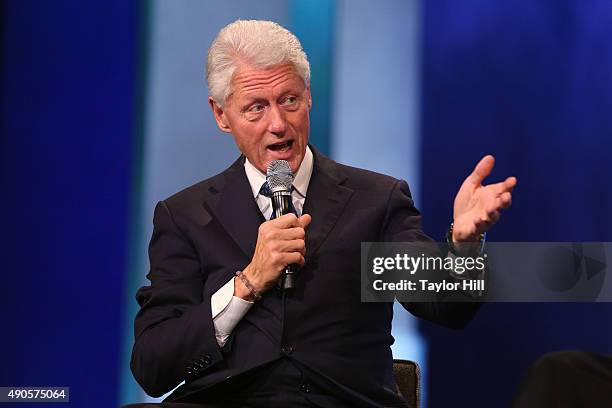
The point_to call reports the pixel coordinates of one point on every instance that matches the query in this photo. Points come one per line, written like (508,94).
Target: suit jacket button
(305,388)
(287,349)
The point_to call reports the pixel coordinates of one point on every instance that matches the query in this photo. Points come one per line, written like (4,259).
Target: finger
(497,189)
(501,202)
(506,185)
(295,245)
(296,233)
(292,258)
(482,169)
(505,200)
(511,182)
(304,220)
(288,234)
(285,221)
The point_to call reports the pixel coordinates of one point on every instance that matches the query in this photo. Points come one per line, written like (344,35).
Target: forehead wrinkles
(254,80)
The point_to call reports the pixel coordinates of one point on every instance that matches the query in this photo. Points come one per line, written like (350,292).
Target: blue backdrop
(530,82)
(68,84)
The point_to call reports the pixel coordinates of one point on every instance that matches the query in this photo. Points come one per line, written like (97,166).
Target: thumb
(304,220)
(482,169)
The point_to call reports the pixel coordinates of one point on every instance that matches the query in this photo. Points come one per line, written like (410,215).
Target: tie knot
(265,190)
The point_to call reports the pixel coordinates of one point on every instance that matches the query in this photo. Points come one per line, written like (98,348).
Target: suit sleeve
(403,224)
(174,332)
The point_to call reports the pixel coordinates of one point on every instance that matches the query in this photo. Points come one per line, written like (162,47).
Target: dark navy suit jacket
(204,234)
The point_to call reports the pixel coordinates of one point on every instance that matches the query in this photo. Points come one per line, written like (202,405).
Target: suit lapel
(326,199)
(232,204)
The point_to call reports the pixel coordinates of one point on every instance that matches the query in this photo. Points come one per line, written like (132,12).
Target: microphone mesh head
(279,176)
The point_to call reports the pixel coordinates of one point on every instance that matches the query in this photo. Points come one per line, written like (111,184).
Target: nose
(277,121)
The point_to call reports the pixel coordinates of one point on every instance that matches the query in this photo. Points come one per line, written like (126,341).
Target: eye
(289,101)
(254,112)
(258,107)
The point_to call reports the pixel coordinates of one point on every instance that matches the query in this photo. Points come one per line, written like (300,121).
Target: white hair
(261,44)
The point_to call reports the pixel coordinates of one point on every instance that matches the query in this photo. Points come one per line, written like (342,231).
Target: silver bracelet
(248,285)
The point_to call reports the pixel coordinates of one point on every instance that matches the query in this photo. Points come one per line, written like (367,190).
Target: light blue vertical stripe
(376,110)
(312,21)
(128,390)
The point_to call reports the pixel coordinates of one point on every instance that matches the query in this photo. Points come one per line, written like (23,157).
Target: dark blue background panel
(68,73)
(531,83)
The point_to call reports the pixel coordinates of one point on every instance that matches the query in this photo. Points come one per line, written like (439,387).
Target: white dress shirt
(227,309)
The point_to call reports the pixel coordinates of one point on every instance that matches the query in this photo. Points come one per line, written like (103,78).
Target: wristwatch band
(474,249)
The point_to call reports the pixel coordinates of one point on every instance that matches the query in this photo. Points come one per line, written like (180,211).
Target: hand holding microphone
(281,244)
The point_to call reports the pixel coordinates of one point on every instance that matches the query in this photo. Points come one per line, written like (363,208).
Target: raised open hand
(477,206)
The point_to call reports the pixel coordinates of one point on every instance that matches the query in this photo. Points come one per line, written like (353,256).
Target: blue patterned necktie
(265,190)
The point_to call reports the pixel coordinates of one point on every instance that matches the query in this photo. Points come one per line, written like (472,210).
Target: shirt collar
(300,182)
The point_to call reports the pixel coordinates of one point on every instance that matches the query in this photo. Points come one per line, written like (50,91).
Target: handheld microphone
(280,180)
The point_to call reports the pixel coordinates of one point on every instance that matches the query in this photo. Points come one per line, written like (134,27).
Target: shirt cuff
(221,298)
(227,311)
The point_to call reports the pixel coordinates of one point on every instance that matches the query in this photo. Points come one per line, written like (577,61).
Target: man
(213,315)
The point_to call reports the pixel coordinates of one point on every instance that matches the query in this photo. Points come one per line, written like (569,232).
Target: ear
(220,116)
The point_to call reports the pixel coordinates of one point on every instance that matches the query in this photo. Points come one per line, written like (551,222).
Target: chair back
(407,377)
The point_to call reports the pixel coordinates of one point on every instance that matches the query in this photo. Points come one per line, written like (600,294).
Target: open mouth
(281,147)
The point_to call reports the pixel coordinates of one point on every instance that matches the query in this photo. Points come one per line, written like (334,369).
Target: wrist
(244,286)
(465,246)
(242,291)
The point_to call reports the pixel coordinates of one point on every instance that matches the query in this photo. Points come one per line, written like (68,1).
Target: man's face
(268,115)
